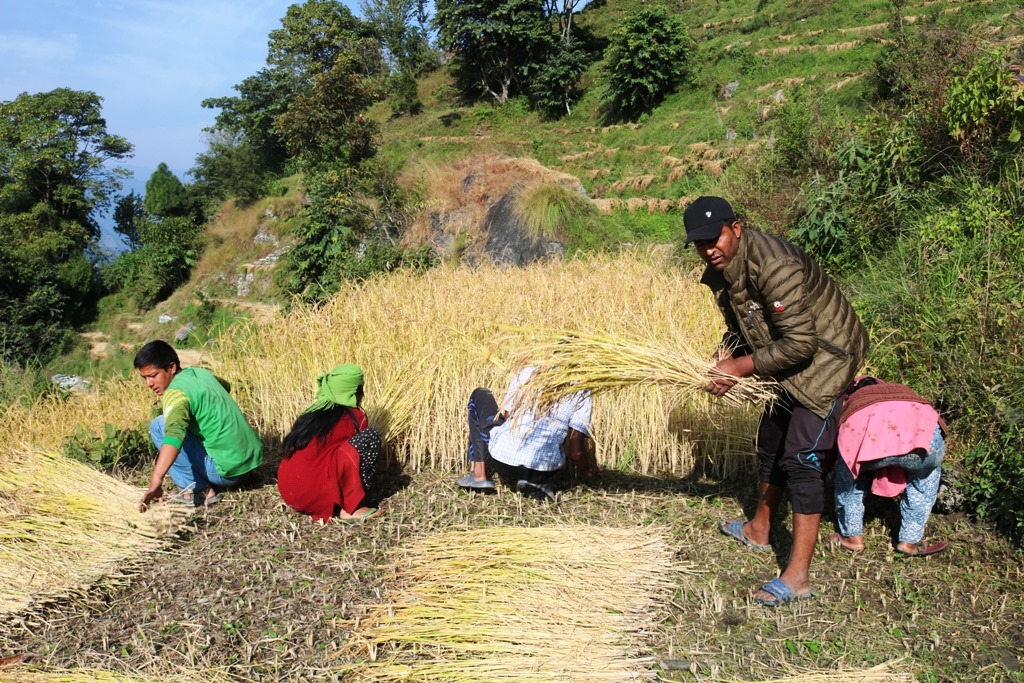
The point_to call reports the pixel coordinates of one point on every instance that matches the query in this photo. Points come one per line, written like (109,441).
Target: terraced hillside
(754,56)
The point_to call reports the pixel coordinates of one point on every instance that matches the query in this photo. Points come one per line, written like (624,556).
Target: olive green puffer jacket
(780,305)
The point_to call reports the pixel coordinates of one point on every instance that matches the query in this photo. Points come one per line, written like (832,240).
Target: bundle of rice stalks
(883,673)
(64,525)
(560,603)
(568,362)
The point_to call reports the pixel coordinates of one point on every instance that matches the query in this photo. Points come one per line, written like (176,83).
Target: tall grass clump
(548,210)
(564,602)
(426,340)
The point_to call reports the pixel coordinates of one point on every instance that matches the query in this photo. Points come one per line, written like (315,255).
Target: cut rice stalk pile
(559,603)
(568,362)
(64,525)
(883,673)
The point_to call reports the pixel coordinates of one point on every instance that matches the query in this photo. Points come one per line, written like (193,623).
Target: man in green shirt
(203,438)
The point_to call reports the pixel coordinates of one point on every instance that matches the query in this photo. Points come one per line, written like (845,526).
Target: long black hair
(315,424)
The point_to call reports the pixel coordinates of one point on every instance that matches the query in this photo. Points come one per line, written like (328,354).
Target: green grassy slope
(698,140)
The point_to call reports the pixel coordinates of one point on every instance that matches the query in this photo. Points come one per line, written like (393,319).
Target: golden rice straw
(426,340)
(64,524)
(559,603)
(40,675)
(882,673)
(568,362)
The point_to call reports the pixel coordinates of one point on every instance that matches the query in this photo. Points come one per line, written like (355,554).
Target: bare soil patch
(260,593)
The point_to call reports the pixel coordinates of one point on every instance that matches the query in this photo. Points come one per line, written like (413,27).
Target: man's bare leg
(759,527)
(797,572)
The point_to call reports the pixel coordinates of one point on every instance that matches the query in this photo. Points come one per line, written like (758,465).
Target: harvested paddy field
(251,591)
(623,579)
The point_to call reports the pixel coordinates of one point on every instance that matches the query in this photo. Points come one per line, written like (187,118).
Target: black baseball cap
(703,218)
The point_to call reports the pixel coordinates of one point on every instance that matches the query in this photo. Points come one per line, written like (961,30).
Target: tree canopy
(54,180)
(497,44)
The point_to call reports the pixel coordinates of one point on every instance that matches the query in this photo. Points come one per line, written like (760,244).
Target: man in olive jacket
(785,320)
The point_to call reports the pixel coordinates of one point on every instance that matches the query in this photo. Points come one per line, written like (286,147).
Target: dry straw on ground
(425,341)
(64,525)
(883,673)
(556,603)
(33,675)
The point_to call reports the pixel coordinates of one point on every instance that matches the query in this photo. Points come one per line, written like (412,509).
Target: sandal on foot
(210,500)
(468,482)
(370,513)
(782,593)
(922,550)
(735,529)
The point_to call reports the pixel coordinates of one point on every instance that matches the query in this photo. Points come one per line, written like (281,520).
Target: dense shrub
(647,59)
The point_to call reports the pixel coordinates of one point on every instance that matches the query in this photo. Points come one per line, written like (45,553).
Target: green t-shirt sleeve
(177,416)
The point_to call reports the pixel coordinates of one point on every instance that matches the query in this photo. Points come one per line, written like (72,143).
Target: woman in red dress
(331,453)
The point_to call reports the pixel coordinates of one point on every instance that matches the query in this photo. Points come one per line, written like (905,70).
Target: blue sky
(152,62)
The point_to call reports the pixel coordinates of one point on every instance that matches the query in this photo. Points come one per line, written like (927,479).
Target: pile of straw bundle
(425,341)
(568,362)
(64,525)
(883,673)
(559,603)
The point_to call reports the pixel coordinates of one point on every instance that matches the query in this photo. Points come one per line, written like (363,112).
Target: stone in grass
(183,334)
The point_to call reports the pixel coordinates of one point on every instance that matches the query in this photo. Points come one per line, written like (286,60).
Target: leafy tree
(315,35)
(326,125)
(320,45)
(247,121)
(403,33)
(128,213)
(54,180)
(231,166)
(497,44)
(165,195)
(402,26)
(648,57)
(555,88)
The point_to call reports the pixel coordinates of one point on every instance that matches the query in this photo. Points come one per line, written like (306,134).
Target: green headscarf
(337,388)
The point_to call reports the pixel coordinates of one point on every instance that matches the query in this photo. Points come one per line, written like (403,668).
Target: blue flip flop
(783,594)
(735,529)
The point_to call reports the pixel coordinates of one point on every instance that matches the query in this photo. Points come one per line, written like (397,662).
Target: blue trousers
(923,474)
(193,467)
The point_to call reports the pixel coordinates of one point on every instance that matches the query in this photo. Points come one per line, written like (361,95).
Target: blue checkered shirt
(524,439)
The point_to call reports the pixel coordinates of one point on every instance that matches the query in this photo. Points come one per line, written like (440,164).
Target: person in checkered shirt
(525,449)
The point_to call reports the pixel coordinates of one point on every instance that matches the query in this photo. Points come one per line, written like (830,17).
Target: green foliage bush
(116,449)
(170,248)
(920,209)
(648,57)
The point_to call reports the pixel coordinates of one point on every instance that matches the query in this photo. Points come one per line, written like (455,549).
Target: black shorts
(796,448)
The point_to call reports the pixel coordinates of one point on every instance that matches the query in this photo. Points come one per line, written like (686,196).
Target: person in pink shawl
(891,440)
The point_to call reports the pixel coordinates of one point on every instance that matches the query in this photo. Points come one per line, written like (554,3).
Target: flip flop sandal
(372,512)
(735,529)
(930,549)
(782,593)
